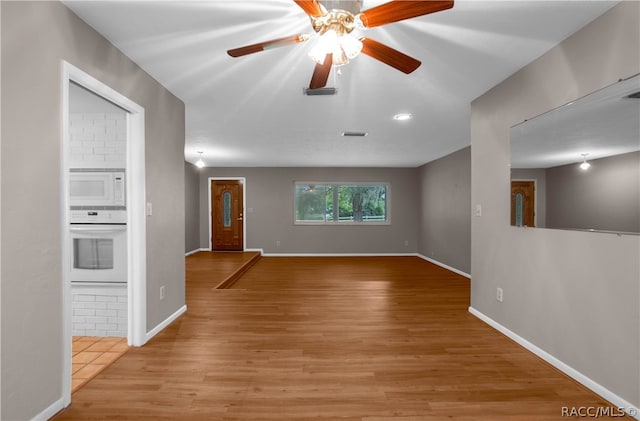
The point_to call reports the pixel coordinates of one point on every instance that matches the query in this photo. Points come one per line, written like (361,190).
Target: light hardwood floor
(352,338)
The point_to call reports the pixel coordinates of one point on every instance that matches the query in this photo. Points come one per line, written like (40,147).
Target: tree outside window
(341,203)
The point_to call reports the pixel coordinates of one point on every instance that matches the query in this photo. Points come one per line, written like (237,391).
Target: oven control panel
(95,216)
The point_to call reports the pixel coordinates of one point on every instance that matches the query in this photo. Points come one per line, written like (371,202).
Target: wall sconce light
(200,163)
(585,165)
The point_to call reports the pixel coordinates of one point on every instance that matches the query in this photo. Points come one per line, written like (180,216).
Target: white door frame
(244,207)
(136,219)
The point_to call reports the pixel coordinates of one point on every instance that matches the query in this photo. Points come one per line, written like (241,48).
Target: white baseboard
(452,269)
(616,400)
(153,332)
(58,405)
(48,413)
(189,253)
(339,254)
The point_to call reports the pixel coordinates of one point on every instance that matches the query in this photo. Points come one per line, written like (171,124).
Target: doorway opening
(226,208)
(132,289)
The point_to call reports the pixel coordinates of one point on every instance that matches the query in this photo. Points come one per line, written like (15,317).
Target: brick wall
(98,140)
(99,311)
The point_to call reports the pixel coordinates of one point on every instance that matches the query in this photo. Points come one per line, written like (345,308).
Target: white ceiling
(602,124)
(250,111)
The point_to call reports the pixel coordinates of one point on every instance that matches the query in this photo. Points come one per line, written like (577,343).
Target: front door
(522,203)
(226,215)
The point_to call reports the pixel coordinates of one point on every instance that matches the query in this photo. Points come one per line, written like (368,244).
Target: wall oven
(98,247)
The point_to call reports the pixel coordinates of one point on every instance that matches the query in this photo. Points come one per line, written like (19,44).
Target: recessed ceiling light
(402,116)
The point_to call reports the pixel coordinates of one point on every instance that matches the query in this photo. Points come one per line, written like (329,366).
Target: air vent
(635,95)
(354,134)
(319,91)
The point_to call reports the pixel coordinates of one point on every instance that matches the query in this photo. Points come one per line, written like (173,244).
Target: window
(355,203)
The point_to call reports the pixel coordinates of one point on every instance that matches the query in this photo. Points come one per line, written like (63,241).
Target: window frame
(337,184)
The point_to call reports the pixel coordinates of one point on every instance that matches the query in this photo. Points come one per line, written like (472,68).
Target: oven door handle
(117,228)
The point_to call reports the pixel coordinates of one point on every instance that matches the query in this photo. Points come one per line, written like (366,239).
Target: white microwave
(97,188)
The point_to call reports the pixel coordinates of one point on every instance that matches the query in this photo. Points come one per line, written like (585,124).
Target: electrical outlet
(162,292)
(499,294)
(278,243)
(406,243)
(478,210)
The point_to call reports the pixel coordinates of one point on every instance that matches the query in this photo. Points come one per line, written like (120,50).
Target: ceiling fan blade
(267,45)
(321,73)
(388,55)
(311,7)
(398,10)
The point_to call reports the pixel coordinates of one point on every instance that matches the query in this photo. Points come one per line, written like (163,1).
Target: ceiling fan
(334,22)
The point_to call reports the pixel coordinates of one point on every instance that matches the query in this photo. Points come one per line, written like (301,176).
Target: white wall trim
(50,411)
(616,400)
(136,222)
(338,254)
(452,269)
(153,332)
(189,253)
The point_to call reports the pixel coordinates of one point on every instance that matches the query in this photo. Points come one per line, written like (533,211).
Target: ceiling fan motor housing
(352,6)
(340,21)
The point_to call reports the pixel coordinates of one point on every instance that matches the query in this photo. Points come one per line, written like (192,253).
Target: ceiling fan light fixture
(334,22)
(351,46)
(339,58)
(327,43)
(343,48)
(334,30)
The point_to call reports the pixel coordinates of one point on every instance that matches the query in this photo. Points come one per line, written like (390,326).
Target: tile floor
(93,354)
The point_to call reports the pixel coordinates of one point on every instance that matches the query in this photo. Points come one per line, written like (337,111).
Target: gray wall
(573,294)
(270,196)
(605,197)
(36,37)
(192,207)
(445,200)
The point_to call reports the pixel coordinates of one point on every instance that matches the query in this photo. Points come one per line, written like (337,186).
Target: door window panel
(226,209)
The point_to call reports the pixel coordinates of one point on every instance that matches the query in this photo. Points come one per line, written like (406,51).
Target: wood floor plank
(348,338)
